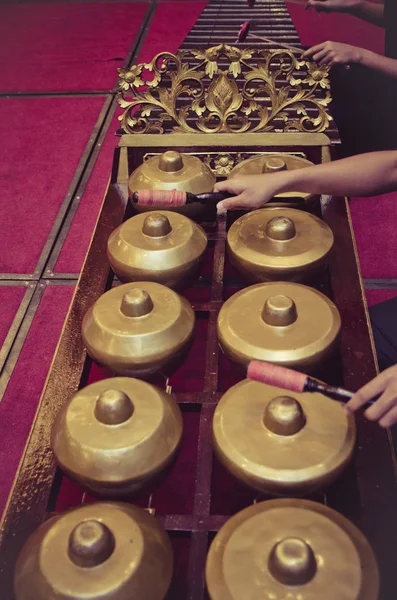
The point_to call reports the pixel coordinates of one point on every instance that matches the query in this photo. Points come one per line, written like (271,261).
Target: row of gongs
(117,436)
(142,328)
(271,244)
(287,548)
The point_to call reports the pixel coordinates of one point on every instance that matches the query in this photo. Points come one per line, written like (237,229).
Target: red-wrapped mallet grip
(281,377)
(244,31)
(161,197)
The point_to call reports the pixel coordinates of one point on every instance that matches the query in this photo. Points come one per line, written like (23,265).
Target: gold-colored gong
(279,442)
(169,171)
(138,329)
(288,324)
(277,244)
(291,549)
(102,551)
(161,246)
(116,435)
(273,163)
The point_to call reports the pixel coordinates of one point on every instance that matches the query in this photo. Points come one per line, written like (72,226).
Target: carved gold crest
(224,89)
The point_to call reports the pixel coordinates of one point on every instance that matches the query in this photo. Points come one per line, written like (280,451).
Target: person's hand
(251,191)
(384,410)
(329,6)
(334,53)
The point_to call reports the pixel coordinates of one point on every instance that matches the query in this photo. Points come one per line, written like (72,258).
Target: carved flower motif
(317,75)
(130,78)
(223,164)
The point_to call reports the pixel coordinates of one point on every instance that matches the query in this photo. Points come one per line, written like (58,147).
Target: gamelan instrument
(138,329)
(117,435)
(295,382)
(172,170)
(291,549)
(287,324)
(282,444)
(165,247)
(102,551)
(279,244)
(272,163)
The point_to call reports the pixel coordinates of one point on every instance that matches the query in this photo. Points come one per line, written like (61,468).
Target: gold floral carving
(224,89)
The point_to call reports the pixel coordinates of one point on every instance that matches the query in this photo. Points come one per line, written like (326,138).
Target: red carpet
(374,227)
(10,299)
(42,140)
(376,296)
(59,46)
(314,28)
(171,23)
(18,406)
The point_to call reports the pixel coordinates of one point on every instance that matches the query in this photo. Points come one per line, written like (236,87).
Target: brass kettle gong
(279,442)
(291,549)
(116,435)
(272,163)
(172,170)
(165,247)
(138,329)
(288,324)
(102,551)
(277,244)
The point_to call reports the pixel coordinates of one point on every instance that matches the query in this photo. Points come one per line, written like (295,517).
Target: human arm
(384,410)
(362,175)
(367,11)
(336,53)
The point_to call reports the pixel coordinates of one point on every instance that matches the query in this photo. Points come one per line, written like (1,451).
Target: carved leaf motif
(225,103)
(223,95)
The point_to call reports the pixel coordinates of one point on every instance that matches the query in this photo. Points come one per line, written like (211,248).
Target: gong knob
(136,303)
(274,164)
(156,225)
(279,311)
(170,162)
(113,407)
(284,416)
(292,562)
(90,544)
(280,228)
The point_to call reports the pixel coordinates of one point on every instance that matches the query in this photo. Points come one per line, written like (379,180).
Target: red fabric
(377,296)
(55,46)
(171,24)
(19,403)
(10,299)
(42,140)
(314,28)
(374,227)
